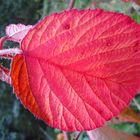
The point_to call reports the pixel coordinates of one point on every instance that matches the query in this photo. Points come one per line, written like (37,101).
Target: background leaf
(128,114)
(106,133)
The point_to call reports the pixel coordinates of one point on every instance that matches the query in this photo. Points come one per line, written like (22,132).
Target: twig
(2,40)
(46,7)
(71,4)
(137,104)
(45,134)
(77,137)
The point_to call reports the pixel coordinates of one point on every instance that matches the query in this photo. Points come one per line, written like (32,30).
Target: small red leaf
(78,68)
(17,32)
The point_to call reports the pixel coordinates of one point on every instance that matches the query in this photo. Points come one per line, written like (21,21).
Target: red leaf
(16,32)
(21,84)
(78,68)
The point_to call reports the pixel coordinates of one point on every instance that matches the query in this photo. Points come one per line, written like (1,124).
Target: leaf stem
(2,40)
(71,4)
(10,51)
(48,137)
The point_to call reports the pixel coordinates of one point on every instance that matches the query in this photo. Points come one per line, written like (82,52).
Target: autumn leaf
(107,133)
(16,32)
(78,69)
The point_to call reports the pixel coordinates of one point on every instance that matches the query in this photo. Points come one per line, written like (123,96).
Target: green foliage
(131,128)
(136,17)
(19,11)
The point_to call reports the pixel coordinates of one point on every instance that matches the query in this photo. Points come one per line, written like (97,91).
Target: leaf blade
(74,67)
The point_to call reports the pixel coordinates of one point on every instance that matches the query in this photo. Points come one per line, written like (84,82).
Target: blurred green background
(17,123)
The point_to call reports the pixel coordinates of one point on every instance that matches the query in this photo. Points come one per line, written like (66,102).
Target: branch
(48,137)
(71,4)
